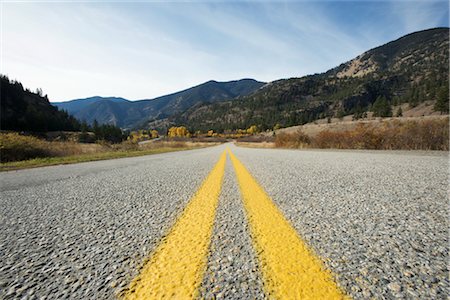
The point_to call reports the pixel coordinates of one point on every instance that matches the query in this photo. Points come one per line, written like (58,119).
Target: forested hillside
(23,110)
(412,69)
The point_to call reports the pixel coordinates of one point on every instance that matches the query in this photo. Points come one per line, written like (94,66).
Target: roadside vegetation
(426,134)
(36,133)
(25,111)
(182,131)
(97,142)
(23,151)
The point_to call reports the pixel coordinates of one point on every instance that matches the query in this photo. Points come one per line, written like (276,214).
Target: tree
(23,110)
(84,126)
(154,134)
(252,129)
(358,113)
(381,107)
(107,132)
(399,112)
(442,101)
(340,113)
(413,96)
(396,100)
(84,136)
(172,132)
(39,92)
(182,131)
(178,132)
(96,129)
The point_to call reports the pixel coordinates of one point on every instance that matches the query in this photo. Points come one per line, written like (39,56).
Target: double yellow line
(290,269)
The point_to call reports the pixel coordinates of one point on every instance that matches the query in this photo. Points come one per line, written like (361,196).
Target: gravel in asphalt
(379,220)
(82,231)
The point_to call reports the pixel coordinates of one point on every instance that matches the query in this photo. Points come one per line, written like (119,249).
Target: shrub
(18,147)
(395,135)
(296,139)
(256,139)
(15,147)
(430,134)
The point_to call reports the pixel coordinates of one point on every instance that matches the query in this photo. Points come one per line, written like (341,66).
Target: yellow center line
(290,269)
(175,270)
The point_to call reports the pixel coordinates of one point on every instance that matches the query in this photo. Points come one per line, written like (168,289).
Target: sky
(142,50)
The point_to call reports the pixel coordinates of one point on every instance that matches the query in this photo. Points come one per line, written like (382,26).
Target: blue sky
(142,50)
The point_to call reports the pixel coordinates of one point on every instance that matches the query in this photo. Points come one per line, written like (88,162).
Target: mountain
(76,105)
(23,110)
(412,69)
(130,114)
(106,110)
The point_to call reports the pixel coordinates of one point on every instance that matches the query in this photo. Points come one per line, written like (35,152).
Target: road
(196,223)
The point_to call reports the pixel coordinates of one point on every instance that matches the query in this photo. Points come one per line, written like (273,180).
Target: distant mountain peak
(128,114)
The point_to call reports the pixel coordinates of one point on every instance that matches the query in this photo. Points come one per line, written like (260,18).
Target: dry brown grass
(199,139)
(256,139)
(297,139)
(169,143)
(424,134)
(314,128)
(15,147)
(255,145)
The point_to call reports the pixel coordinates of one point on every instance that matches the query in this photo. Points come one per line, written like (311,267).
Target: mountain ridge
(75,105)
(412,69)
(129,114)
(409,69)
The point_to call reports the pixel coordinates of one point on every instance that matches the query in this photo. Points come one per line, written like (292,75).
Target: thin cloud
(144,50)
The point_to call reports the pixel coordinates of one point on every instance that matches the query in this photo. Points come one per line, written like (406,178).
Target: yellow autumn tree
(180,131)
(154,134)
(252,129)
(172,132)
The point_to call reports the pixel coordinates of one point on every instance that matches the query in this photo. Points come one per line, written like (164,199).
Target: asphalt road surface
(364,224)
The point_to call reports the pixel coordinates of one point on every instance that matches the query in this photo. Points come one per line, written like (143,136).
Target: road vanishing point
(227,222)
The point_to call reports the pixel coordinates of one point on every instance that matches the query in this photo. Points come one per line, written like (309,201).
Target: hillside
(23,110)
(106,110)
(76,105)
(412,69)
(129,114)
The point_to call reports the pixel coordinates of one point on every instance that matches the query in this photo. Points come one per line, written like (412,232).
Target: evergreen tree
(96,130)
(413,96)
(381,107)
(399,112)
(23,110)
(340,114)
(442,100)
(358,113)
